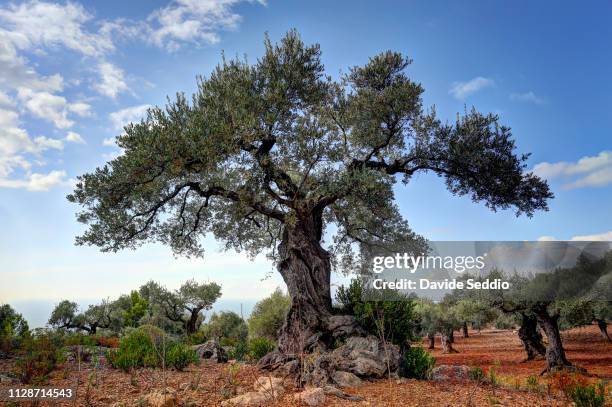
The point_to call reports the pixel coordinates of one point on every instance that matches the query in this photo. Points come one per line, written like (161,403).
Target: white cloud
(461,90)
(81,109)
(109,142)
(528,97)
(73,137)
(5,100)
(112,81)
(589,171)
(15,72)
(36,24)
(598,237)
(131,114)
(15,144)
(36,182)
(196,21)
(46,106)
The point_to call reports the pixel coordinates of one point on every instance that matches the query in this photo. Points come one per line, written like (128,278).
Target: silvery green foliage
(259,145)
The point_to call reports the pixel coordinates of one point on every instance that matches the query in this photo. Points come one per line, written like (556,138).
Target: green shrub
(239,351)
(227,327)
(150,347)
(135,350)
(196,338)
(476,373)
(179,356)
(41,354)
(269,315)
(13,329)
(416,363)
(533,382)
(260,347)
(587,395)
(386,312)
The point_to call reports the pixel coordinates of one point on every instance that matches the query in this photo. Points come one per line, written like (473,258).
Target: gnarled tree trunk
(465,330)
(530,336)
(555,354)
(191,324)
(432,341)
(603,328)
(305,266)
(447,344)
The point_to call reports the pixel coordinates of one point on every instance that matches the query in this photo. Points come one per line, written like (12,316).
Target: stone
(367,357)
(343,326)
(334,391)
(346,379)
(250,399)
(271,386)
(450,373)
(311,397)
(211,350)
(162,398)
(8,378)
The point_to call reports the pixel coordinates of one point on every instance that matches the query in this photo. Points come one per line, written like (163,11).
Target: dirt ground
(209,383)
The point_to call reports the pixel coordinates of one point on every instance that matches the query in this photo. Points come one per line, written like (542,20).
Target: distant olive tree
(66,315)
(227,327)
(185,305)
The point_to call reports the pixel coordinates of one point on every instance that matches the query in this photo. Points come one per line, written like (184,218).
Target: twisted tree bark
(531,338)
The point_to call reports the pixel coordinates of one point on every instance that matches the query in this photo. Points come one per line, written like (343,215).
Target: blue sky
(72,73)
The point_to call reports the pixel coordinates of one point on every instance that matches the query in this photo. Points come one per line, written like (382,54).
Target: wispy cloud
(73,137)
(36,182)
(112,81)
(589,171)
(130,114)
(192,21)
(527,97)
(461,90)
(597,237)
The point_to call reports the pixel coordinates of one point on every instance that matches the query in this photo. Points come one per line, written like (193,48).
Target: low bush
(179,356)
(196,338)
(416,363)
(41,354)
(150,347)
(239,351)
(578,389)
(387,312)
(476,373)
(227,327)
(533,383)
(260,347)
(590,395)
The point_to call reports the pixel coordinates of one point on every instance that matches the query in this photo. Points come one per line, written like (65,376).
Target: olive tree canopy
(266,156)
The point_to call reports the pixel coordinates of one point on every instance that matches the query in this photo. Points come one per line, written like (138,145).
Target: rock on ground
(162,398)
(269,385)
(311,397)
(250,399)
(447,373)
(361,356)
(346,379)
(211,350)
